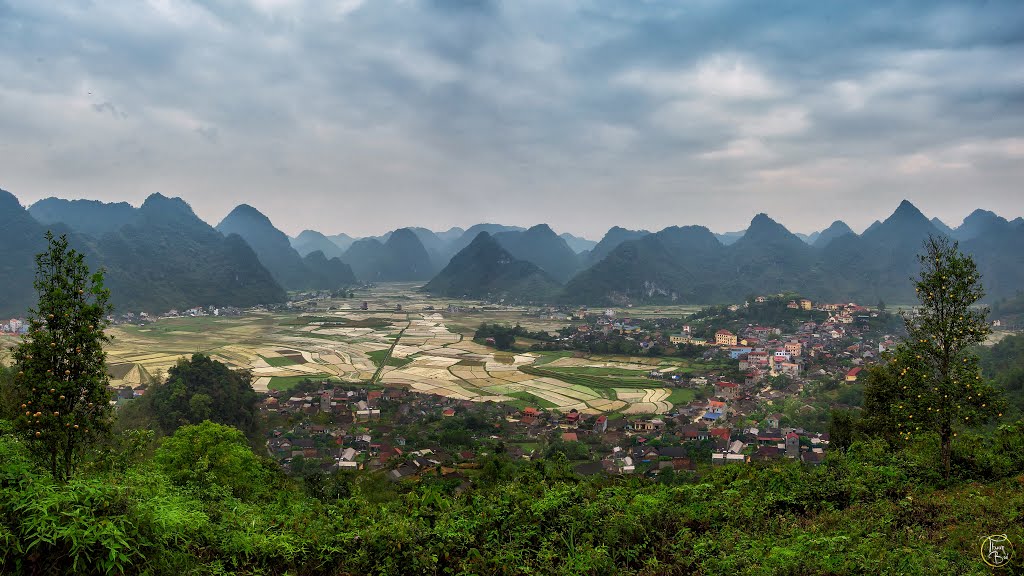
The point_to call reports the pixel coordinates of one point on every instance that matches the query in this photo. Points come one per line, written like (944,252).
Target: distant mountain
(311,241)
(941,226)
(451,235)
(438,248)
(612,238)
(473,231)
(276,253)
(270,244)
(485,270)
(541,246)
(835,230)
(995,248)
(978,223)
(683,265)
(578,244)
(728,238)
(673,265)
(878,264)
(86,216)
(408,257)
(21,238)
(401,258)
(342,241)
(169,258)
(164,257)
(365,256)
(873,225)
(808,238)
(768,258)
(329,273)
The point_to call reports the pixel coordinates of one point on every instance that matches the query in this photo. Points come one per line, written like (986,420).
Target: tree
(841,428)
(60,363)
(881,305)
(209,455)
(933,378)
(203,389)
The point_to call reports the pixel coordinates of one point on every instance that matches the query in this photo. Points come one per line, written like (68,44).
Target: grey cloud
(451,112)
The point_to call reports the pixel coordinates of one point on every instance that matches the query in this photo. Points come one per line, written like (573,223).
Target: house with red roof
(727,390)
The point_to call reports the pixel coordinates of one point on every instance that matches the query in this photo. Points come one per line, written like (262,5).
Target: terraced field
(417,347)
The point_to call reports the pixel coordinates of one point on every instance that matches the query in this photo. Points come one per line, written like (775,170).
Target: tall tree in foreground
(60,363)
(934,383)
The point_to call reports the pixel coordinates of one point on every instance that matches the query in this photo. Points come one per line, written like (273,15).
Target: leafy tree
(204,389)
(935,381)
(60,363)
(841,429)
(208,455)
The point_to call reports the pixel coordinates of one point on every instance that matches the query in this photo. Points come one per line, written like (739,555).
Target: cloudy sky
(359,117)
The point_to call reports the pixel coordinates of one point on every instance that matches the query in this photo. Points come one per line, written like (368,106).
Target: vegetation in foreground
(890,501)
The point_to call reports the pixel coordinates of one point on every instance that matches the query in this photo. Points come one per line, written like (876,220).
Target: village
(771,402)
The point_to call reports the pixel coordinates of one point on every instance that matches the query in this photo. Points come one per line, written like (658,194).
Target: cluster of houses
(14,327)
(620,445)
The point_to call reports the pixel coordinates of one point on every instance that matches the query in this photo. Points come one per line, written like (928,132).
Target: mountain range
(692,265)
(275,252)
(157,257)
(161,255)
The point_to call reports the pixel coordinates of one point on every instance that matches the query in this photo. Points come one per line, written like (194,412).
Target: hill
(86,216)
(401,258)
(485,270)
(611,239)
(835,230)
(578,244)
(169,258)
(164,257)
(311,241)
(342,241)
(470,234)
(276,253)
(541,246)
(21,238)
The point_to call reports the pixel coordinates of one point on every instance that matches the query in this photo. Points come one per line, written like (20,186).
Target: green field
(338,322)
(279,361)
(549,357)
(598,383)
(531,400)
(681,396)
(287,382)
(378,356)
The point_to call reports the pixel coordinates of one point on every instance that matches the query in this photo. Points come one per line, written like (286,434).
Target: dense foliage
(61,375)
(504,337)
(201,389)
(869,510)
(1003,364)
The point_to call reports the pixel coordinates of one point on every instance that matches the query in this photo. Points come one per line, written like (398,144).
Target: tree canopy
(932,384)
(202,388)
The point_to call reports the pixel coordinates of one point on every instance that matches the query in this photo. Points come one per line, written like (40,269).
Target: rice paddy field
(404,339)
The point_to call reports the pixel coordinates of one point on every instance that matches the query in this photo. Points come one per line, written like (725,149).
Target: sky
(361,117)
